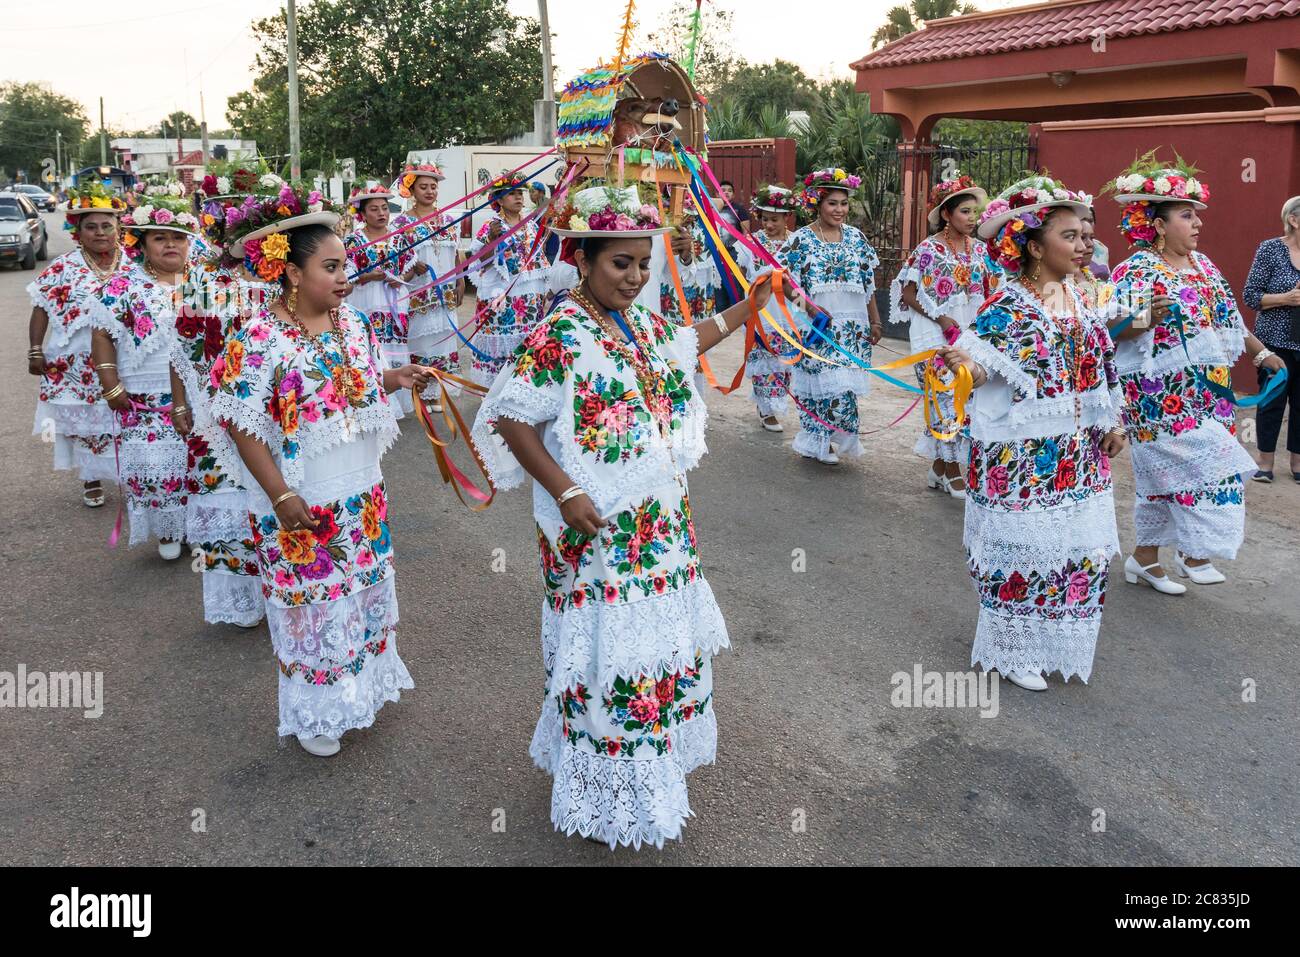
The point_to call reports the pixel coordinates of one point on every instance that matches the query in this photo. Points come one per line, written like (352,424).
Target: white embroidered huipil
(949,284)
(331,603)
(1040,516)
(769,376)
(432,317)
(629,625)
(511,284)
(1188,464)
(70,401)
(139,313)
(215,306)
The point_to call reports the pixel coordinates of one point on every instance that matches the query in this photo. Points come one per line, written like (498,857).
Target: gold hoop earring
(1037,265)
(291,301)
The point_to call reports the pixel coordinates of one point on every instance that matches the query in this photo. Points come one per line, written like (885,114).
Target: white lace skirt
(331,603)
(629,627)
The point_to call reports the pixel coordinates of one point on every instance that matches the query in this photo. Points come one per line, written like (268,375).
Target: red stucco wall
(1240,215)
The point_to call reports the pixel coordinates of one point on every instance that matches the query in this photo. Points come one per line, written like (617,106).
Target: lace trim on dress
(1041,540)
(1206,348)
(80,418)
(620,801)
(657,634)
(232,599)
(1205,455)
(1004,643)
(217,517)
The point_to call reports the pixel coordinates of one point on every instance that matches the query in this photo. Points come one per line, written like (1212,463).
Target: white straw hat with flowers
(775,199)
(611,211)
(258,218)
(163,212)
(413,171)
(1029,196)
(94,197)
(947,190)
(1149,180)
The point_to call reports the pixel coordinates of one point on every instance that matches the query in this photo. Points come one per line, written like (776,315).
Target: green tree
(902,20)
(780,85)
(376,81)
(715,57)
(30,115)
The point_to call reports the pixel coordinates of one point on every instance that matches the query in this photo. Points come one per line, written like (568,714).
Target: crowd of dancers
(238,364)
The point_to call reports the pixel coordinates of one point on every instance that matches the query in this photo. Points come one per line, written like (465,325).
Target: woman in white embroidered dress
(380,269)
(769,373)
(1188,464)
(70,402)
(1040,516)
(607,424)
(511,282)
(303,392)
(135,330)
(432,241)
(834,265)
(940,288)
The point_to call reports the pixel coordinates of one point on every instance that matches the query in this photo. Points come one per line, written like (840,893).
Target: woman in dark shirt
(1273,288)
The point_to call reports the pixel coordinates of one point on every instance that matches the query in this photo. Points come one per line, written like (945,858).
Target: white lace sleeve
(511,397)
(107,318)
(243,402)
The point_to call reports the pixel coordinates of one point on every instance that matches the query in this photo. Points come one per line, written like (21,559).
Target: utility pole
(295,144)
(544,118)
(58,157)
(103,136)
(203,128)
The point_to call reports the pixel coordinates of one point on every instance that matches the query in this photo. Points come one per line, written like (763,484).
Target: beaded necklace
(651,383)
(1070,329)
(347,382)
(1193,277)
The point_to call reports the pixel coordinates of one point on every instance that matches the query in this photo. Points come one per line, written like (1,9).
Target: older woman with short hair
(1273,290)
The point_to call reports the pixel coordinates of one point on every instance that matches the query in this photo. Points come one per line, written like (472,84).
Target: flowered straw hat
(94,197)
(413,172)
(1021,207)
(948,189)
(255,228)
(360,196)
(164,213)
(616,212)
(231,179)
(819,181)
(775,199)
(171,188)
(1146,184)
(503,186)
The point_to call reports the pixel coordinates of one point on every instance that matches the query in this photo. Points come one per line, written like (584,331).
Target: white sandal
(92,497)
(320,745)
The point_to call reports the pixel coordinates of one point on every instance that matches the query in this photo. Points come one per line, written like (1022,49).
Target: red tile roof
(192,158)
(1063,23)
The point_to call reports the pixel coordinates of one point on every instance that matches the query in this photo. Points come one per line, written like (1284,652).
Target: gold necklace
(817,228)
(345,382)
(1070,329)
(102,274)
(651,383)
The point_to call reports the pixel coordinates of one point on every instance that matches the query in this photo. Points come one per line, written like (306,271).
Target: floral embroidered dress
(1040,515)
(330,598)
(379,302)
(629,625)
(520,283)
(840,277)
(1187,462)
(700,282)
(948,283)
(430,332)
(217,511)
(70,402)
(139,313)
(769,377)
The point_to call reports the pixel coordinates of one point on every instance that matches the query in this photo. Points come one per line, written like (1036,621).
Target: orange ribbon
(451,474)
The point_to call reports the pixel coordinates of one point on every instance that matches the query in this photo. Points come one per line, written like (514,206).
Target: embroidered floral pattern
(348,550)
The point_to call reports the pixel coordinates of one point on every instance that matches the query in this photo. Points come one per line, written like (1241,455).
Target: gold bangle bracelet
(105,365)
(114,392)
(286,496)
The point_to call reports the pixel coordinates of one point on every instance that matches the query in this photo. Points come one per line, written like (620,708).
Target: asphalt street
(1158,760)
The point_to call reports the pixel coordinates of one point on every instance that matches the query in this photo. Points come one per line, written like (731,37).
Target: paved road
(1160,741)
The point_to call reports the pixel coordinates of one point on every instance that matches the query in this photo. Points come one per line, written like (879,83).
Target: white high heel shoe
(320,745)
(772,424)
(937,481)
(1205,574)
(1027,680)
(1133,573)
(169,551)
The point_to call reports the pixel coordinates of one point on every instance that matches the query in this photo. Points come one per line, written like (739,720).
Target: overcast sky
(82,51)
